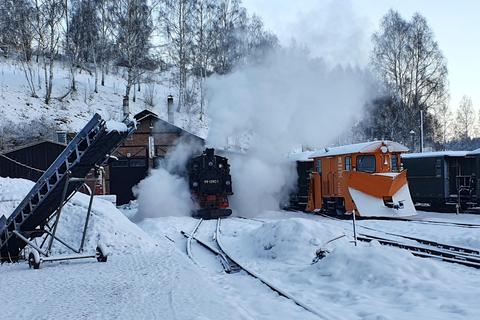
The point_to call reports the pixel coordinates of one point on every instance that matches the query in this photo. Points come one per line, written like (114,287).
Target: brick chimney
(170,109)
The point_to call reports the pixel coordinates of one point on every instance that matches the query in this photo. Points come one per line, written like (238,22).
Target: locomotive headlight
(195,184)
(227,183)
(220,166)
(210,163)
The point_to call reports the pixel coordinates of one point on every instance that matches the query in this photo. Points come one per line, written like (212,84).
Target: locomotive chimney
(170,109)
(126,109)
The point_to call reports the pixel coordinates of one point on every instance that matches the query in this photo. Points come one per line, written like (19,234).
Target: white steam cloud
(287,101)
(165,192)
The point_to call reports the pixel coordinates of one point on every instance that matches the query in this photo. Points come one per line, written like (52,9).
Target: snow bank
(107,223)
(368,281)
(290,240)
(376,266)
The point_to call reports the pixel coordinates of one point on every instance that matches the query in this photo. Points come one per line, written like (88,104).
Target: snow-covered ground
(71,114)
(149,276)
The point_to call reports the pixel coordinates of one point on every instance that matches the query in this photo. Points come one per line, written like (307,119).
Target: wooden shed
(141,152)
(29,161)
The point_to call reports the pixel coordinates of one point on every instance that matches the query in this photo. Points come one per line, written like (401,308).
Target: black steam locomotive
(210,184)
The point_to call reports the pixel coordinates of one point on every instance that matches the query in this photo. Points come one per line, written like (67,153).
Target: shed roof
(437,154)
(364,147)
(28,145)
(165,124)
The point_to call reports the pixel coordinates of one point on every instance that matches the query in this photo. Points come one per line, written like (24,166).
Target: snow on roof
(364,147)
(304,156)
(436,154)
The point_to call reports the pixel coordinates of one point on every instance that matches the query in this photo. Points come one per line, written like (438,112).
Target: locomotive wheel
(34,259)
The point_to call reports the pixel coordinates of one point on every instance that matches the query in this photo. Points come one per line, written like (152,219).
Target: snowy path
(139,286)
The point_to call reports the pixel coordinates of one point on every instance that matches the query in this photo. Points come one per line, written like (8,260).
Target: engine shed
(141,152)
(31,160)
(442,180)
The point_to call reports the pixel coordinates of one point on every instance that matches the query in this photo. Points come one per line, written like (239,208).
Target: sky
(340,30)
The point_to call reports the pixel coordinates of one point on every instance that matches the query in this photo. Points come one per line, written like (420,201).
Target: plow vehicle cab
(367,178)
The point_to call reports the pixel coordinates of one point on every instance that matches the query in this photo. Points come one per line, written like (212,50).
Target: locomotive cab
(210,184)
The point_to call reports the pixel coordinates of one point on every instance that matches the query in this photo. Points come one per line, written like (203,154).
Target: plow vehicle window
(348,163)
(366,163)
(394,163)
(319,166)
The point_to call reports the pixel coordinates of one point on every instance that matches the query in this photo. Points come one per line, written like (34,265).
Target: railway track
(422,247)
(232,265)
(422,221)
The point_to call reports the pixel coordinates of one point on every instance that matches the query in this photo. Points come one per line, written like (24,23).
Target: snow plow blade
(381,194)
(211,213)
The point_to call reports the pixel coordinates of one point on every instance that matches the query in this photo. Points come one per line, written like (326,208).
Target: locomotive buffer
(38,214)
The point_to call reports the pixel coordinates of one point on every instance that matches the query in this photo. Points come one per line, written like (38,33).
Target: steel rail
(189,240)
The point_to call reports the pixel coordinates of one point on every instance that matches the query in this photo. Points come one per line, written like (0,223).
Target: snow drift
(107,223)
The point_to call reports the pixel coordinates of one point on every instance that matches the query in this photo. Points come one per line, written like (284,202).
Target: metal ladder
(90,148)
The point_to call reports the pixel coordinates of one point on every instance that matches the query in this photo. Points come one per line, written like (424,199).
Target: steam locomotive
(210,184)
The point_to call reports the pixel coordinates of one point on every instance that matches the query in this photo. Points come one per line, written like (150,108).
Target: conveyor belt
(90,148)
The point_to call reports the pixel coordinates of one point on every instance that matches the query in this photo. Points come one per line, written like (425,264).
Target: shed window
(318,166)
(348,163)
(395,165)
(366,163)
(120,163)
(137,163)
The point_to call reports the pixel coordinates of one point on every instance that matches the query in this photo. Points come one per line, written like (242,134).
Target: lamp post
(412,135)
(421,130)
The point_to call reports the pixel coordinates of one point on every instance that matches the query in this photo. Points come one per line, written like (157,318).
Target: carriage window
(366,163)
(395,163)
(348,163)
(438,167)
(318,166)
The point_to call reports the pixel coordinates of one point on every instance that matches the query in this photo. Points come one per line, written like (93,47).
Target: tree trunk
(96,72)
(103,75)
(129,82)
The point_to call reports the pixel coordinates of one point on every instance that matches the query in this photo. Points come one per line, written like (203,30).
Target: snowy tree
(176,23)
(106,43)
(259,41)
(16,33)
(465,119)
(230,24)
(133,22)
(443,132)
(83,34)
(407,59)
(15,29)
(47,25)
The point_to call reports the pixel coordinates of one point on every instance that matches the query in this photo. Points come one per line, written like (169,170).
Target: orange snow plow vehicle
(365,177)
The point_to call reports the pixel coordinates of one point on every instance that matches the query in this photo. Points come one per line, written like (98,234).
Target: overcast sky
(340,30)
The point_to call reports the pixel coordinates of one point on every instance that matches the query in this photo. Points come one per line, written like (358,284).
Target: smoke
(165,192)
(289,100)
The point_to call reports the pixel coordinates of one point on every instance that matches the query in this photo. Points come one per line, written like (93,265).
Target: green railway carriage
(442,180)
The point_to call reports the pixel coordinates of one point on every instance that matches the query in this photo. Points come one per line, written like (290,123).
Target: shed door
(124,174)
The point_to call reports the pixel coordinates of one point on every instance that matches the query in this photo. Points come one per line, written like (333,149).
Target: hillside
(27,117)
